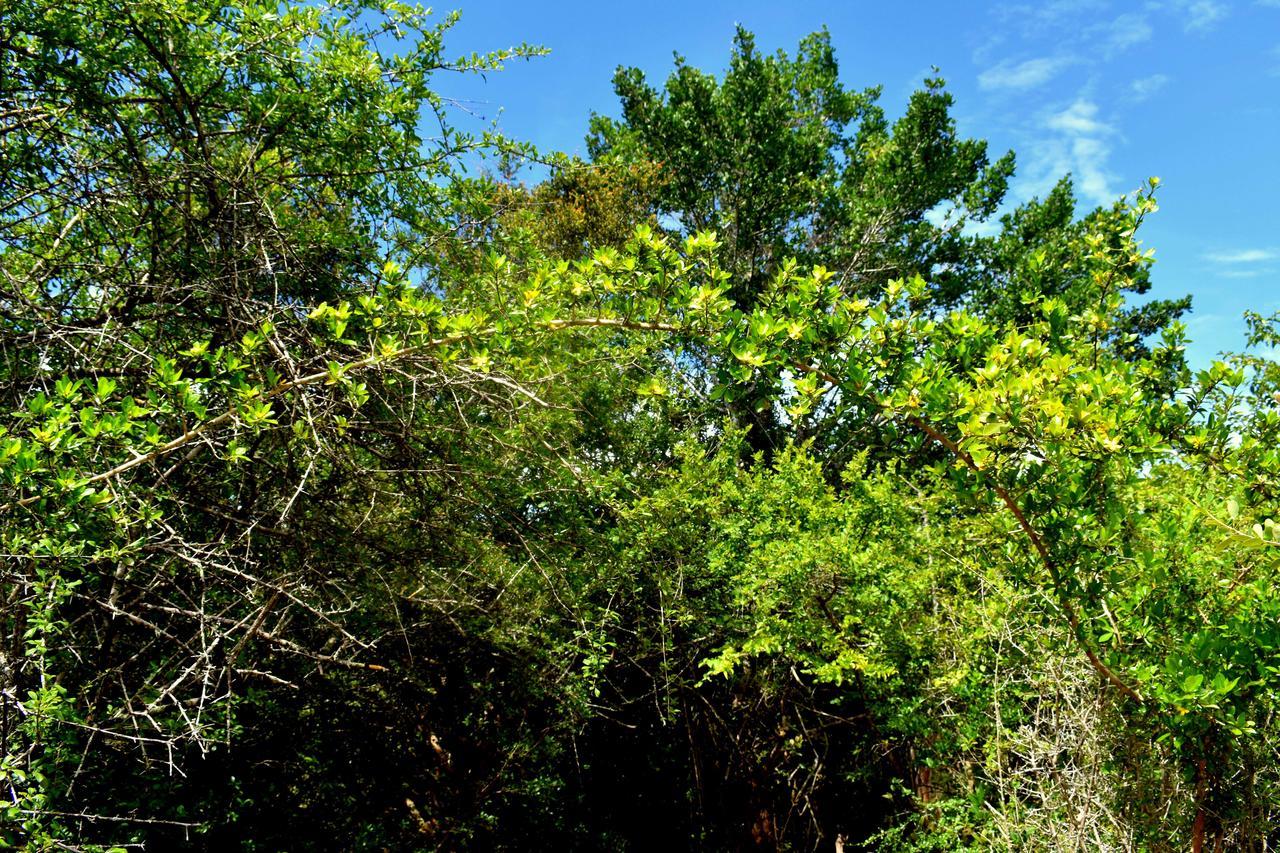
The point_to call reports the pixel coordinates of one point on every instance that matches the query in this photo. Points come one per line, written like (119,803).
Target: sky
(1187,90)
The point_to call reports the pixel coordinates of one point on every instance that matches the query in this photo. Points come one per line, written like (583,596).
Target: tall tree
(784,162)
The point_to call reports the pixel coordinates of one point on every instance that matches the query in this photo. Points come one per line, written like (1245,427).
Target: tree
(1036,254)
(783,162)
(182,183)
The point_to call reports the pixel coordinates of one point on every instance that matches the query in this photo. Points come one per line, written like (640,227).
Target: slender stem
(1037,541)
(319,376)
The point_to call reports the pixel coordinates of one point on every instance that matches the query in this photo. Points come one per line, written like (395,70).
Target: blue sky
(1188,90)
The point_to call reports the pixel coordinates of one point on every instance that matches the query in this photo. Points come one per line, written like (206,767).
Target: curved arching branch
(1037,541)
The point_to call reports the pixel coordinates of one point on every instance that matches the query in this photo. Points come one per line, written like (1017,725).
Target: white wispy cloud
(1200,15)
(1126,31)
(1258,273)
(1029,20)
(1241,256)
(1078,142)
(1199,321)
(1270,4)
(1023,75)
(1145,87)
(1079,119)
(1090,168)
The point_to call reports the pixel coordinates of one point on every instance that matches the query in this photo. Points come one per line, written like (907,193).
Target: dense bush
(710,494)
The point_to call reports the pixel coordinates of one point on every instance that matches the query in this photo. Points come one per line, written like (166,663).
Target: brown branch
(113,818)
(319,376)
(1037,541)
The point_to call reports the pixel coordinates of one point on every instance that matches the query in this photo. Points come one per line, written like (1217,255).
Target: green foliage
(784,162)
(1036,255)
(580,207)
(330,516)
